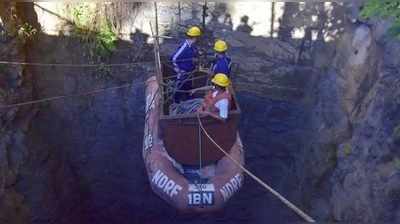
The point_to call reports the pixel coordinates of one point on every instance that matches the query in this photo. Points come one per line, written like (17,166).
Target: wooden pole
(157,46)
(272,19)
(205,7)
(157,56)
(179,13)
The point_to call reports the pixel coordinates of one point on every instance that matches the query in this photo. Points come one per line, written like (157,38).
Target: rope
(93,92)
(200,150)
(150,105)
(82,65)
(258,180)
(200,185)
(71,65)
(173,88)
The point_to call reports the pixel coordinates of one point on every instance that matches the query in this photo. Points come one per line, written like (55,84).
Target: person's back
(184,64)
(221,63)
(183,57)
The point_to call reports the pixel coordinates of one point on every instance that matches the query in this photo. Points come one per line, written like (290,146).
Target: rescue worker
(217,101)
(183,61)
(221,63)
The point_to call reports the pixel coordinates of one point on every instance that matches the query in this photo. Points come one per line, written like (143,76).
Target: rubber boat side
(170,180)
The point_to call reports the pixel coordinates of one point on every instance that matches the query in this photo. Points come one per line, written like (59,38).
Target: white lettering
(148,142)
(239,179)
(162,181)
(235,183)
(201,194)
(157,176)
(202,187)
(224,193)
(190,199)
(231,187)
(196,199)
(167,185)
(208,198)
(201,198)
(175,190)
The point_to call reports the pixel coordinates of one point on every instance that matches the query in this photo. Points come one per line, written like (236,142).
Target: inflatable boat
(184,167)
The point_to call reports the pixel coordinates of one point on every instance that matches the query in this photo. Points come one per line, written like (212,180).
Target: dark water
(91,168)
(85,154)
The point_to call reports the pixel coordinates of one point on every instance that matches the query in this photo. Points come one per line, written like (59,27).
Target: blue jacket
(183,57)
(222,64)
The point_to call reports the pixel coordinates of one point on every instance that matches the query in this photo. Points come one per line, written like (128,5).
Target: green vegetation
(347,149)
(3,68)
(396,133)
(103,72)
(397,163)
(94,29)
(26,32)
(384,9)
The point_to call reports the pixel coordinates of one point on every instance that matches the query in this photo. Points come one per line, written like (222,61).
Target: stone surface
(322,129)
(358,115)
(15,86)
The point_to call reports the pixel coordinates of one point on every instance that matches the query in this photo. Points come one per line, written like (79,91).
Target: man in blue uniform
(184,64)
(221,63)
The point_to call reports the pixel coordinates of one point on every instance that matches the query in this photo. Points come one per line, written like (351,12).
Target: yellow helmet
(193,31)
(221,80)
(220,46)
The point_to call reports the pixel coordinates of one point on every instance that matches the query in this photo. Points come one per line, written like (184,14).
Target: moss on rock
(396,133)
(347,149)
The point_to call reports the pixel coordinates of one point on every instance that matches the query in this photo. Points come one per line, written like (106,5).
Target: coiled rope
(258,180)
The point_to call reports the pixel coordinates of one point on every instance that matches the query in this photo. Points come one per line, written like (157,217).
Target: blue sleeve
(195,51)
(179,55)
(221,66)
(183,57)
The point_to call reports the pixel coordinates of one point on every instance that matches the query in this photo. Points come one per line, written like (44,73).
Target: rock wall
(352,163)
(321,123)
(15,85)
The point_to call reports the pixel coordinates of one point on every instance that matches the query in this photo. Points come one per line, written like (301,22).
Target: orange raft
(184,167)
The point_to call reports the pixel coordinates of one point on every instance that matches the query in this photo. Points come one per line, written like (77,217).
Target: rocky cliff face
(353,156)
(320,123)
(15,84)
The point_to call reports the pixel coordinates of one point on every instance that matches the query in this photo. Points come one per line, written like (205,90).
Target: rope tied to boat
(297,210)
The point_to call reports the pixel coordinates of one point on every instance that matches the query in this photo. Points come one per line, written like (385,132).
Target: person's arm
(204,88)
(177,57)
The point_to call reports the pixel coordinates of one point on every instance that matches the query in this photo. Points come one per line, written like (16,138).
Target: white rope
(93,92)
(258,180)
(83,65)
(71,65)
